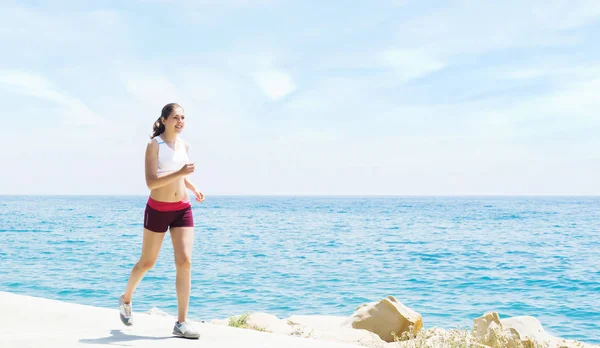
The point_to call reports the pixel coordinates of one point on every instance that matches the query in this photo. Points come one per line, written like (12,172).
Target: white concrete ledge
(41,323)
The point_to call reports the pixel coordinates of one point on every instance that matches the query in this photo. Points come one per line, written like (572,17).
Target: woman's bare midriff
(172,192)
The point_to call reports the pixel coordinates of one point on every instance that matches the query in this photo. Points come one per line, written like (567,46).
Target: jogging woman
(168,207)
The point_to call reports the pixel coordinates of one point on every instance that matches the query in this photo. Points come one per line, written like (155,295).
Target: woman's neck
(169,138)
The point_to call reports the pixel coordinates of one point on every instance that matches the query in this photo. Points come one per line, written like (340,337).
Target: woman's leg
(150,249)
(183,240)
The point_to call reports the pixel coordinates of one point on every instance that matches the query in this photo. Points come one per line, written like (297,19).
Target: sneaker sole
(125,321)
(180,335)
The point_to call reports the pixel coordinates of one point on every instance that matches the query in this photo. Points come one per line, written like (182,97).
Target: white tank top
(170,160)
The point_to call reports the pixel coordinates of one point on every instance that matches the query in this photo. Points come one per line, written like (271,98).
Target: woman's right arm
(153,181)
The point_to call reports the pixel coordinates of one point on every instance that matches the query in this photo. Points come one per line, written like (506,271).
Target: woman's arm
(199,195)
(189,185)
(153,181)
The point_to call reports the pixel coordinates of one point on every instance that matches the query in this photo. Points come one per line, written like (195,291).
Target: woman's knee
(183,261)
(145,264)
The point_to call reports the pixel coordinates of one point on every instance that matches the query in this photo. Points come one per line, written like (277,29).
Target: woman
(168,207)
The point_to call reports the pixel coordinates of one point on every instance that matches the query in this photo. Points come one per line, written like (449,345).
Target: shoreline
(56,323)
(171,311)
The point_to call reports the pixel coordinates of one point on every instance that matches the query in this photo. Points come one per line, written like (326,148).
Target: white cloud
(524,74)
(475,27)
(75,111)
(573,107)
(576,101)
(566,14)
(151,89)
(341,125)
(275,84)
(410,63)
(212,3)
(560,70)
(54,28)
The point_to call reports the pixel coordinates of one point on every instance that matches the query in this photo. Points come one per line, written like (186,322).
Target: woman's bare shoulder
(184,142)
(152,143)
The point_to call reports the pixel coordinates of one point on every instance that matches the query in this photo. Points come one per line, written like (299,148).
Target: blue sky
(305,97)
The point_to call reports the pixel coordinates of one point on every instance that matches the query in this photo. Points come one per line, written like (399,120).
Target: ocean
(449,258)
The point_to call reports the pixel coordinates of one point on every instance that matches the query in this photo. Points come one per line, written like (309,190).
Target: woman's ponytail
(159,126)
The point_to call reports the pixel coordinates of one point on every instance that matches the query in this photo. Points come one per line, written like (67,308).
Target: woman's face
(175,122)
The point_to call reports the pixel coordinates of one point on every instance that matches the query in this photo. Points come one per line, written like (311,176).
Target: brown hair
(159,127)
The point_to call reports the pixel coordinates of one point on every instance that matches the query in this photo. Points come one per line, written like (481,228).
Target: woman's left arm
(188,183)
(199,195)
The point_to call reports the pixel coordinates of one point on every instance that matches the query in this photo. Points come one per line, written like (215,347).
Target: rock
(437,337)
(528,343)
(527,326)
(384,317)
(269,323)
(332,328)
(434,331)
(490,330)
(482,324)
(522,331)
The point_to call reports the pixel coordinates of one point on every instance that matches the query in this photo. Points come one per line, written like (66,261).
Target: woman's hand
(187,169)
(199,196)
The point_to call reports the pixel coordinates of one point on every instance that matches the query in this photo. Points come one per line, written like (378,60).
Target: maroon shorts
(159,216)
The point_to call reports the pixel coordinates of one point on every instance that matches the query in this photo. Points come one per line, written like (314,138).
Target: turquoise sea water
(450,259)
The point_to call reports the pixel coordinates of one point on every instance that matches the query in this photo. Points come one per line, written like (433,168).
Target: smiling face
(175,122)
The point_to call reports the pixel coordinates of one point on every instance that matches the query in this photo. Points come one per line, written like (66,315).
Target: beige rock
(529,328)
(482,324)
(269,323)
(528,343)
(332,328)
(435,331)
(440,338)
(384,317)
(516,332)
(318,327)
(488,330)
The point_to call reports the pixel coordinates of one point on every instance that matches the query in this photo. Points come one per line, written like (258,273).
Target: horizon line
(314,195)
